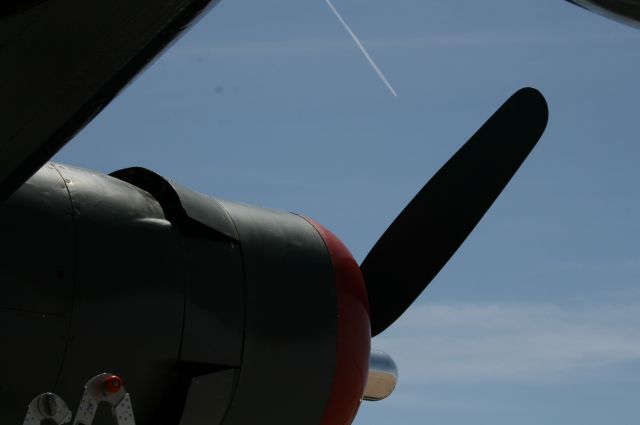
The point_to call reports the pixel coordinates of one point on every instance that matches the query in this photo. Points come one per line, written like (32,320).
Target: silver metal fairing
(383,376)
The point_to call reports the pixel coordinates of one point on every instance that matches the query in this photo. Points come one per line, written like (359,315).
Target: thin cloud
(498,342)
(434,40)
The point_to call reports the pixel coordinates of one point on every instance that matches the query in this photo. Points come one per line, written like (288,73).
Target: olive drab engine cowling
(206,308)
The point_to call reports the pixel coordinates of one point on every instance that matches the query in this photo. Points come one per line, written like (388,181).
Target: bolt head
(113,384)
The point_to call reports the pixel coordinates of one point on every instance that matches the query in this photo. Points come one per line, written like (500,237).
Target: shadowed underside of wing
(62,61)
(626,11)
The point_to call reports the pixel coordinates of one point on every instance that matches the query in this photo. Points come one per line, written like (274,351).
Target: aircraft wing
(62,61)
(626,11)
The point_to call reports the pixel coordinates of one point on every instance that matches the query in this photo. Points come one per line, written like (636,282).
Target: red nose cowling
(354,334)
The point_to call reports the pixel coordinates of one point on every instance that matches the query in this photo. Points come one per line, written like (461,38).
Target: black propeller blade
(435,223)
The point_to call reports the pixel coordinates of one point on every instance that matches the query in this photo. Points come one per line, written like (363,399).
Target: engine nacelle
(208,308)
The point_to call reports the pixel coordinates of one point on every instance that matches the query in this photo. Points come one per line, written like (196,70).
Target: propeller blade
(430,229)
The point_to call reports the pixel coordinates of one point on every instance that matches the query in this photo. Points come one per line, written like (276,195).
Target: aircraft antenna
(362,49)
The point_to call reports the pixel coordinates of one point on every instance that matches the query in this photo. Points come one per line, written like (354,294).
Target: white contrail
(364,52)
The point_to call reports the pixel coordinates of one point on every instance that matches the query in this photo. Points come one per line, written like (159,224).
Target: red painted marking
(113,384)
(354,334)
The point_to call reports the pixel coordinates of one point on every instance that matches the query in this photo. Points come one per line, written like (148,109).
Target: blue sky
(536,320)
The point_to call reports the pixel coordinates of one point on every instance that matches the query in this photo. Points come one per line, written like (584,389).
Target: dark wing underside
(626,11)
(62,61)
